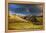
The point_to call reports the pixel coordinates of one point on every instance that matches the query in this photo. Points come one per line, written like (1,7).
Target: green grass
(17,26)
(20,25)
(40,19)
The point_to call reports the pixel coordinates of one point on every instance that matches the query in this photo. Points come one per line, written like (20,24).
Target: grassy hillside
(16,23)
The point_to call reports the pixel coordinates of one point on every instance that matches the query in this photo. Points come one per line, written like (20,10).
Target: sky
(24,9)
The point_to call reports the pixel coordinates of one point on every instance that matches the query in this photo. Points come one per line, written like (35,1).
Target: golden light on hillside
(12,16)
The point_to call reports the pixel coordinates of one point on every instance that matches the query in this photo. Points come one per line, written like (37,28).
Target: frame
(22,2)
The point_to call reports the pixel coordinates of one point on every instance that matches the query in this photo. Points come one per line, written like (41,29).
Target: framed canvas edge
(22,2)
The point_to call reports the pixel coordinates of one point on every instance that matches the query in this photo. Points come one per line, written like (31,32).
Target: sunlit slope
(25,25)
(17,18)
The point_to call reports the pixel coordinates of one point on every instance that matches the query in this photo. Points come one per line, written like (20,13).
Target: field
(17,23)
(17,26)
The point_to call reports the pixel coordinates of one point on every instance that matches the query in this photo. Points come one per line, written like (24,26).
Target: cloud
(34,10)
